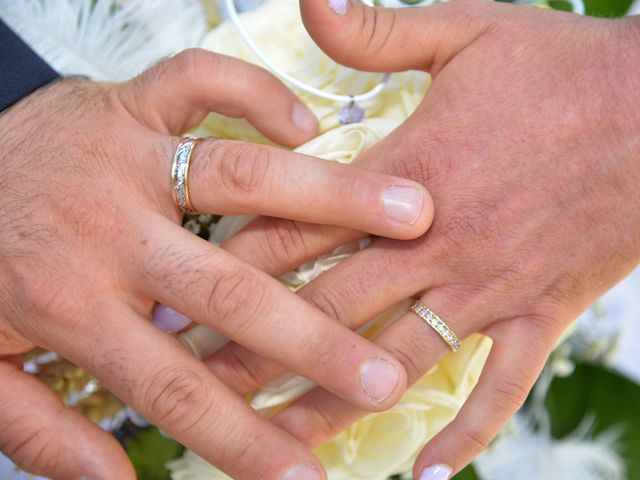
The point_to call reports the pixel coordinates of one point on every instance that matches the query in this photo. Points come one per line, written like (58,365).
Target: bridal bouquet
(120,38)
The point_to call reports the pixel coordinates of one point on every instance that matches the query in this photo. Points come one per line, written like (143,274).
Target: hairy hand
(90,238)
(528,142)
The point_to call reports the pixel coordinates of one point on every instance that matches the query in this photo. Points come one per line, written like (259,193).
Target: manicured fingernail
(379,379)
(339,6)
(304,119)
(168,320)
(302,472)
(437,472)
(403,204)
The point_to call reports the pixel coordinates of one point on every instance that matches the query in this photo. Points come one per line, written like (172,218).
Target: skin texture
(90,238)
(528,142)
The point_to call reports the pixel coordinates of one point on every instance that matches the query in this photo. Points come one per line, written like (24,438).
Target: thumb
(388,39)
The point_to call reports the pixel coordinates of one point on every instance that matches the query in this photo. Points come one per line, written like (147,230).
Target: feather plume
(106,40)
(526,453)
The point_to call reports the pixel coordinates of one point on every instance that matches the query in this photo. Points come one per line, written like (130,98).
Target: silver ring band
(180,174)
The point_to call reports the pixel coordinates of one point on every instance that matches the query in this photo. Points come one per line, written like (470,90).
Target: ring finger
(318,415)
(233,178)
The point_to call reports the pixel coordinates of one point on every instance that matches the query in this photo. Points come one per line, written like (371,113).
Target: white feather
(106,40)
(525,453)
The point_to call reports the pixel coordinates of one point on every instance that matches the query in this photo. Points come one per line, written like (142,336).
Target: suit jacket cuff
(22,71)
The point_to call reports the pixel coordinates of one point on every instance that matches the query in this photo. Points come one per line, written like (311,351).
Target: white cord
(578,7)
(374,92)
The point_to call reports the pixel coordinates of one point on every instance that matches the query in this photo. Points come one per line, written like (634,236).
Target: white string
(374,92)
(577,5)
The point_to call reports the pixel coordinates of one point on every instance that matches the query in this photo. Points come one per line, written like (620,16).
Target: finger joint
(235,299)
(177,398)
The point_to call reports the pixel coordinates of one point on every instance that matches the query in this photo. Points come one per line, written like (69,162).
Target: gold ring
(435,322)
(180,174)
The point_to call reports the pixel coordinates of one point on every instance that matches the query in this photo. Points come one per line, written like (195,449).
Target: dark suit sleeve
(22,71)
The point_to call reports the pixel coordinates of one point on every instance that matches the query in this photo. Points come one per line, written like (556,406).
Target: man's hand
(528,140)
(90,238)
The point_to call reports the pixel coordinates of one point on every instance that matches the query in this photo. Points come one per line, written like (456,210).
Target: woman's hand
(90,238)
(528,140)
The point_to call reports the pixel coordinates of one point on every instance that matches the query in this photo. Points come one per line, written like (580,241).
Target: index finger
(213,288)
(158,377)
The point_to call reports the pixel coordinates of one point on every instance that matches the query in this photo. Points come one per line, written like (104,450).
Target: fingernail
(379,379)
(339,6)
(436,472)
(84,477)
(403,204)
(304,119)
(302,472)
(168,320)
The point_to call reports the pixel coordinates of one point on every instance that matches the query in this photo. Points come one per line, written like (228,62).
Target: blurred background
(582,420)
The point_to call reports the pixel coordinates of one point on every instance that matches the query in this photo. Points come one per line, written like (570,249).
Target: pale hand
(528,140)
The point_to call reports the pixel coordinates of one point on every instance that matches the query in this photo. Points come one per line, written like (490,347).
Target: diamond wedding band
(435,322)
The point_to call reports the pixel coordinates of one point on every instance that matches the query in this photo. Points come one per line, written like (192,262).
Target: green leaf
(597,8)
(608,8)
(467,474)
(613,399)
(561,5)
(150,451)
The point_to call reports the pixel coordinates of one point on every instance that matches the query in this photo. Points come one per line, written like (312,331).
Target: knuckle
(241,170)
(190,62)
(543,330)
(33,450)
(234,299)
(245,458)
(11,341)
(325,424)
(418,159)
(478,439)
(86,217)
(47,297)
(561,291)
(512,394)
(177,398)
(283,243)
(245,369)
(163,264)
(315,424)
(469,226)
(330,300)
